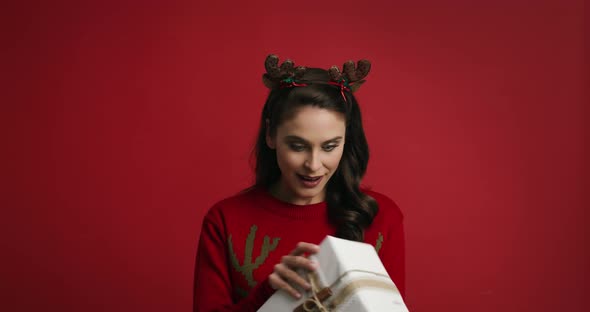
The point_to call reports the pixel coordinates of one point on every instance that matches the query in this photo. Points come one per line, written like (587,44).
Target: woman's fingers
(299,262)
(303,248)
(285,276)
(277,282)
(291,276)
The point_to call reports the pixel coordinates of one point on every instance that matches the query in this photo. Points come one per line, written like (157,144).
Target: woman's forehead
(313,124)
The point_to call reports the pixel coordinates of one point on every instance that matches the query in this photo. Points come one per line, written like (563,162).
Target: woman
(311,154)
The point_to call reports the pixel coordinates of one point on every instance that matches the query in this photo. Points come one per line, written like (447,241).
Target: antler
(354,76)
(275,73)
(335,73)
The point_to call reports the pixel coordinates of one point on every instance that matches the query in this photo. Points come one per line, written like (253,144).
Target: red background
(124,121)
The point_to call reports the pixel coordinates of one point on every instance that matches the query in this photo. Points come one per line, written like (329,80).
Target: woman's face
(309,148)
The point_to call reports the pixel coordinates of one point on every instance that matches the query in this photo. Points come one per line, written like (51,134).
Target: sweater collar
(292,211)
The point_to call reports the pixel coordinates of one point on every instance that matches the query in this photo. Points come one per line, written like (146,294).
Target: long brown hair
(350,210)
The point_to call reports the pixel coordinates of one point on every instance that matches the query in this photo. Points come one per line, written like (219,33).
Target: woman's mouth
(309,182)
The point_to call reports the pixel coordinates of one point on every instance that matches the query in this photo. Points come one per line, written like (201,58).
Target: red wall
(124,121)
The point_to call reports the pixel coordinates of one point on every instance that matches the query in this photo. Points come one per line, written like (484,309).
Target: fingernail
(298,295)
(315,264)
(306,286)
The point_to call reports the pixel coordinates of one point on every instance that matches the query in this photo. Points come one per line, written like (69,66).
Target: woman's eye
(329,148)
(297,147)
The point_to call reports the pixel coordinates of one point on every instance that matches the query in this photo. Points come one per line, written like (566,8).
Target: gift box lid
(338,256)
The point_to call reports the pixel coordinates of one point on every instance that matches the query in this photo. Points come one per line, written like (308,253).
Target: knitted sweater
(244,236)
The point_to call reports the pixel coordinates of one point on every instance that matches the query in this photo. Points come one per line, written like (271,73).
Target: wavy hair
(349,209)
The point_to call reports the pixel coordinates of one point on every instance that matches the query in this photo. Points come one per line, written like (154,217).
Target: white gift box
(355,276)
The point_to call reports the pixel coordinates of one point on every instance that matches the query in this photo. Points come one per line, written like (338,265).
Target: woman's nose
(313,162)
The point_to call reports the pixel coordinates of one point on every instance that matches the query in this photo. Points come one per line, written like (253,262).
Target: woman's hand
(285,275)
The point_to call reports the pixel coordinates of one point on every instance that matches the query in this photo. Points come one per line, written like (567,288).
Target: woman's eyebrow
(296,138)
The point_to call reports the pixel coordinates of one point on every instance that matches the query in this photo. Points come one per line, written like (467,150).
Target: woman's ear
(269,140)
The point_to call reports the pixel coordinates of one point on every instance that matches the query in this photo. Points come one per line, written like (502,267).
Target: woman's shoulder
(235,204)
(386,205)
(240,198)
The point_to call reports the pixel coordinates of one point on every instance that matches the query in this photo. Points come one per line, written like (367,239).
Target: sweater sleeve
(392,253)
(394,258)
(212,283)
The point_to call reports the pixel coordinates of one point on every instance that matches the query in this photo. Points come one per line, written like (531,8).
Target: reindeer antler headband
(288,76)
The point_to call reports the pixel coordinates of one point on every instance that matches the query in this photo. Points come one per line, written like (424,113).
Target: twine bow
(318,296)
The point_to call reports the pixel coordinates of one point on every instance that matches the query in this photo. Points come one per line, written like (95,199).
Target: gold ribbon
(320,293)
(355,285)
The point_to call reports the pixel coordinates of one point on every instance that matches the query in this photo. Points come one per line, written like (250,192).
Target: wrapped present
(350,278)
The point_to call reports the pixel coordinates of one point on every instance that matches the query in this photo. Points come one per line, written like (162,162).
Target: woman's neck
(279,191)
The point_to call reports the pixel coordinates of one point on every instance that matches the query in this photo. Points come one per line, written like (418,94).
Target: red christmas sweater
(244,236)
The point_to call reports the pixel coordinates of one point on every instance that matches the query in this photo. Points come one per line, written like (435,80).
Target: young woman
(311,154)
